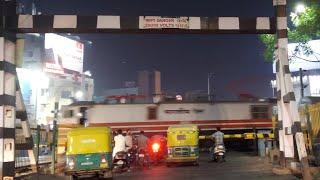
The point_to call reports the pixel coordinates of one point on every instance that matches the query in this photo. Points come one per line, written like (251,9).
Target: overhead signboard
(159,22)
(62,54)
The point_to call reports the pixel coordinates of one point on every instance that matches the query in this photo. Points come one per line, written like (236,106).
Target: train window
(152,113)
(260,111)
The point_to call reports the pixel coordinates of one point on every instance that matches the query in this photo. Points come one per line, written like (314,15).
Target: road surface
(239,165)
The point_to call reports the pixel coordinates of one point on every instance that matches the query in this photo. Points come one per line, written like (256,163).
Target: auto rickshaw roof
(183,127)
(89,130)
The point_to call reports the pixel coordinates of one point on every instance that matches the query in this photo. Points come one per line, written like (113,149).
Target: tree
(306,26)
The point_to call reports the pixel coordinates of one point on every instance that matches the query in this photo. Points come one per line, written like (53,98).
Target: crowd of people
(124,141)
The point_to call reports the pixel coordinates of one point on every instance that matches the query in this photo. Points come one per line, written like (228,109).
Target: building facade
(149,83)
(48,76)
(310,70)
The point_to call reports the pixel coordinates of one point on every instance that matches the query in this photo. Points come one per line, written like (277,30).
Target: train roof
(91,103)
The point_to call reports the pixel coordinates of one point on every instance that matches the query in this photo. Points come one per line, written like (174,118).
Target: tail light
(103,159)
(103,162)
(155,147)
(71,163)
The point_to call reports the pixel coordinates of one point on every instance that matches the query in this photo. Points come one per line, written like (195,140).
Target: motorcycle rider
(128,140)
(142,140)
(218,137)
(119,143)
(218,140)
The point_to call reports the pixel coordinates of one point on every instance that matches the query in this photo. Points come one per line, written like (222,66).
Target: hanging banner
(158,22)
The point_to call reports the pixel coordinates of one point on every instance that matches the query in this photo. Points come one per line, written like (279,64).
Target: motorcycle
(132,155)
(143,158)
(157,149)
(120,162)
(218,153)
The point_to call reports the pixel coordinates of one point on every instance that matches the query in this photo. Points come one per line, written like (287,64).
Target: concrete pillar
(288,109)
(7,107)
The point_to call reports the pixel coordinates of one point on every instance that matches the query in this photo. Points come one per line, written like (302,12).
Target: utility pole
(301,83)
(209,86)
(54,137)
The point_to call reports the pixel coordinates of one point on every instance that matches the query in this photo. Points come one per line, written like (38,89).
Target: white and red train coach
(155,118)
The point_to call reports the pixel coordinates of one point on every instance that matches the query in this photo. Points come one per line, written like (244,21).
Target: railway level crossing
(289,129)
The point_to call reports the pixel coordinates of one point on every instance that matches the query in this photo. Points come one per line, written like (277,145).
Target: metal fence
(41,139)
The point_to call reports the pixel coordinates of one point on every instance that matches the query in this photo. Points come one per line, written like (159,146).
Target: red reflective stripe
(166,122)
(207,126)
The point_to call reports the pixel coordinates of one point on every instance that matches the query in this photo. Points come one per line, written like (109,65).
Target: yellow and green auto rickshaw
(89,152)
(182,142)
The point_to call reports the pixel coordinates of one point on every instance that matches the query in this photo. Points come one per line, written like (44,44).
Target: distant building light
(88,73)
(79,114)
(178,97)
(79,94)
(35,34)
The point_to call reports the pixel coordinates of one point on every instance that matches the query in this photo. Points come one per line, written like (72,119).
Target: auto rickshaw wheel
(108,175)
(196,163)
(73,177)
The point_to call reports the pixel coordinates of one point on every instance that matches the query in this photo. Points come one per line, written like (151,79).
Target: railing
(22,160)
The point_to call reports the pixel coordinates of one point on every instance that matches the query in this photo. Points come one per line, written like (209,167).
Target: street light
(300,8)
(79,94)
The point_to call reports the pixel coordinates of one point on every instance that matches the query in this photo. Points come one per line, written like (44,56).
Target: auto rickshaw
(183,144)
(89,152)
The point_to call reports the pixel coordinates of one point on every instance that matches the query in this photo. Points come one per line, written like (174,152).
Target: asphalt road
(238,165)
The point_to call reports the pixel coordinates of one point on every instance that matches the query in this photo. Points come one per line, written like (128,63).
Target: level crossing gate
(11,105)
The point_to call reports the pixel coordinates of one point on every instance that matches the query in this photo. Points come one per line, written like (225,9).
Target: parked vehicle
(89,152)
(183,144)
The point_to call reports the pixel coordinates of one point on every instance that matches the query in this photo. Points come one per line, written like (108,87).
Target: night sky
(184,60)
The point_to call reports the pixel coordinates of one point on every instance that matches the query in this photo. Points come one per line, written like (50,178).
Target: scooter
(120,162)
(218,153)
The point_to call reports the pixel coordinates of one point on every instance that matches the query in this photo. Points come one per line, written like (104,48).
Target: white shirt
(218,137)
(128,140)
(119,144)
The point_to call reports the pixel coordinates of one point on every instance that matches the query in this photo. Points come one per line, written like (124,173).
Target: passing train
(157,117)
